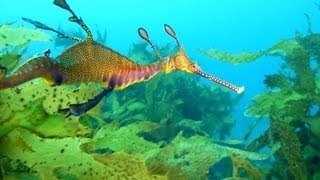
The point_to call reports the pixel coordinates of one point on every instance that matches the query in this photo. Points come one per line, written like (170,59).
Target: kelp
(63,158)
(115,152)
(20,37)
(10,59)
(291,150)
(235,59)
(186,99)
(282,47)
(290,101)
(240,162)
(268,103)
(126,139)
(35,106)
(36,119)
(38,142)
(190,158)
(13,40)
(55,98)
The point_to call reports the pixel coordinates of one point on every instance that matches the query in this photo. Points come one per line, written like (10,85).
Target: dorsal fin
(74,18)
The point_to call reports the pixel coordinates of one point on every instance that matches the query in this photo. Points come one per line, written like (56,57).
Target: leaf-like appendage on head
(62,3)
(170,31)
(143,34)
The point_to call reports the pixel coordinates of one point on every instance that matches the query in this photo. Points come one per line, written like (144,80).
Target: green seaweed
(10,59)
(38,121)
(190,158)
(13,40)
(126,139)
(235,59)
(21,36)
(293,92)
(54,98)
(281,48)
(268,103)
(37,142)
(63,158)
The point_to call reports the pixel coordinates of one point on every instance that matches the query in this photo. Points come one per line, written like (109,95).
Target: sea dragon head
(180,61)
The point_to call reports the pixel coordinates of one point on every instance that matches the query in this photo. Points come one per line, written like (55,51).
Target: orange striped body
(90,61)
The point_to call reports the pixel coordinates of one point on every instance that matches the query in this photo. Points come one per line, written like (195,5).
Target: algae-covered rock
(21,36)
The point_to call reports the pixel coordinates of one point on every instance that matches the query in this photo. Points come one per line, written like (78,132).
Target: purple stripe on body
(120,80)
(141,73)
(130,73)
(113,80)
(153,69)
(135,75)
(148,73)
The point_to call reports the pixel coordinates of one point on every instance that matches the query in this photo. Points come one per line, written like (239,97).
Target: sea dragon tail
(38,67)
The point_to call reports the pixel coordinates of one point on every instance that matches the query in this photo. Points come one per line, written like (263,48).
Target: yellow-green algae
(20,36)
(35,118)
(282,47)
(54,98)
(36,142)
(289,102)
(63,158)
(12,42)
(187,158)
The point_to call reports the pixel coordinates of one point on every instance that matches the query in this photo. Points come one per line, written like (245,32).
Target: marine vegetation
(162,129)
(292,105)
(39,143)
(90,61)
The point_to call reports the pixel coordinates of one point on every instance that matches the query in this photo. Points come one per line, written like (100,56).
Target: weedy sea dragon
(90,61)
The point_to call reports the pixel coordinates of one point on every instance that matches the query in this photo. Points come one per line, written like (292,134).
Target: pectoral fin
(79,109)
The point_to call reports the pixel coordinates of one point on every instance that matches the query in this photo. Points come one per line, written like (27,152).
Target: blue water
(229,25)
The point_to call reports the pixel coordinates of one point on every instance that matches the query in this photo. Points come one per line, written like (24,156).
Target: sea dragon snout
(180,61)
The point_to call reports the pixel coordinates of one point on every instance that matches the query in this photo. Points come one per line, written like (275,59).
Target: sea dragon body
(98,63)
(90,61)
